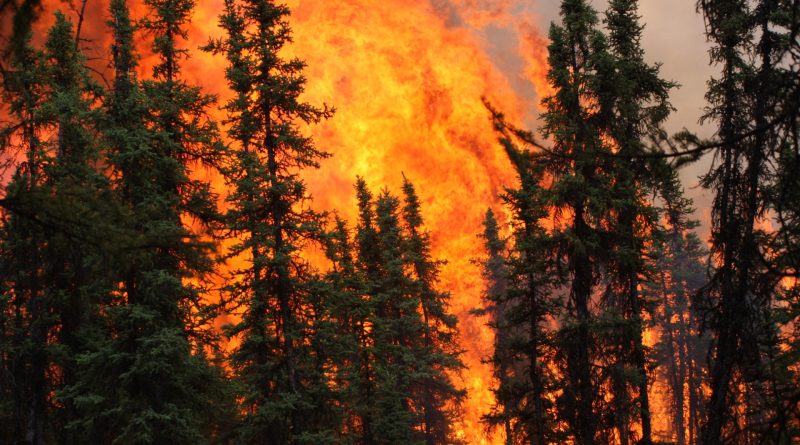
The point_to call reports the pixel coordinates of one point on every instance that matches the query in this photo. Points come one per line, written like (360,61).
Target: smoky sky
(674,37)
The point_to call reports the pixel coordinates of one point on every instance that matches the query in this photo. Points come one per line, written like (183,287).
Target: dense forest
(140,305)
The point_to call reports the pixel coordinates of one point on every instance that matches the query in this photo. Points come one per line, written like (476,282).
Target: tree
(346,339)
(76,256)
(283,390)
(525,346)
(149,380)
(494,271)
(407,336)
(27,322)
(60,209)
(633,106)
(682,348)
(579,196)
(751,41)
(439,351)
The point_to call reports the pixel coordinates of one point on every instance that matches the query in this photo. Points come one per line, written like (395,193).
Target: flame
(407,87)
(406,78)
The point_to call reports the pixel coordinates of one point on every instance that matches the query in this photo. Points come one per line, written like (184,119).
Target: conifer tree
(148,381)
(367,264)
(397,325)
(633,103)
(524,345)
(438,397)
(495,274)
(283,392)
(60,206)
(24,90)
(607,107)
(78,253)
(681,349)
(751,41)
(785,193)
(580,188)
(406,394)
(346,340)
(578,165)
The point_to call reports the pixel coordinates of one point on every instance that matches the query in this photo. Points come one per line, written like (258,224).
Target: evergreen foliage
(682,347)
(754,104)
(148,380)
(594,182)
(116,262)
(410,349)
(524,303)
(278,362)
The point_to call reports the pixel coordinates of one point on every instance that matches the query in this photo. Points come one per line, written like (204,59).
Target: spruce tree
(633,103)
(438,397)
(368,264)
(149,381)
(348,313)
(77,254)
(24,90)
(60,213)
(579,198)
(785,193)
(525,347)
(283,391)
(406,394)
(681,348)
(751,45)
(495,274)
(607,109)
(580,189)
(396,325)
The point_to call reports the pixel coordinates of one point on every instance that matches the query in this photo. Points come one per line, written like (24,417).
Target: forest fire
(406,79)
(397,222)
(407,88)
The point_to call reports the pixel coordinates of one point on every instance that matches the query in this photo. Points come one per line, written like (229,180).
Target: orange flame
(407,81)
(406,77)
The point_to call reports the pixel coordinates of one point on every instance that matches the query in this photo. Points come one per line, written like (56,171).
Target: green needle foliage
(409,346)
(148,380)
(278,362)
(118,268)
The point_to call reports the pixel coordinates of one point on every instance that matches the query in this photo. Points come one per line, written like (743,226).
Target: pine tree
(283,390)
